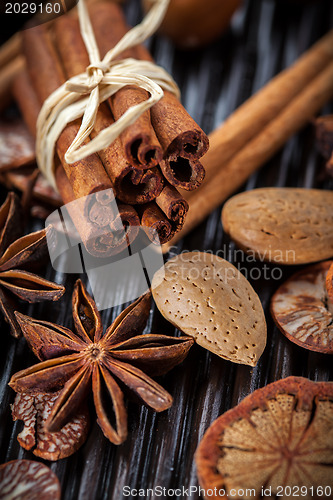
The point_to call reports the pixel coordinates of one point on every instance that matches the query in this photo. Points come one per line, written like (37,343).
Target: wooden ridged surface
(266,36)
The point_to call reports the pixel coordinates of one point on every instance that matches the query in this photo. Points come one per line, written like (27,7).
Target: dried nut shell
(34,411)
(302,310)
(283,225)
(278,436)
(28,480)
(207,298)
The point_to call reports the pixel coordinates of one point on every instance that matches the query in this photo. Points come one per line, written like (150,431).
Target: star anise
(18,255)
(88,360)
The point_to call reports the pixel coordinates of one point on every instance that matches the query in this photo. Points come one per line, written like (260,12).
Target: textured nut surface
(280,435)
(28,480)
(207,298)
(302,310)
(283,225)
(34,411)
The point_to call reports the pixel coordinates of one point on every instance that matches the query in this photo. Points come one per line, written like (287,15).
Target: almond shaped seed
(207,298)
(302,310)
(28,480)
(282,225)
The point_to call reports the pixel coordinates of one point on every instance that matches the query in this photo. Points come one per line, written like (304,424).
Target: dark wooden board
(265,37)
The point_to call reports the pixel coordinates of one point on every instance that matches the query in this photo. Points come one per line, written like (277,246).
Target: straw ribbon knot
(81,95)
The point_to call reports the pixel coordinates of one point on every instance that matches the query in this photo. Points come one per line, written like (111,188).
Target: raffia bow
(82,94)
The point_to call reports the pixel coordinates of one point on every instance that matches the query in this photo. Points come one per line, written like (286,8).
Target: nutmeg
(193,23)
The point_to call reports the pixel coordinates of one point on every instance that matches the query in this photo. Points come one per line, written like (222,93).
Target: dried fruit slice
(34,411)
(28,480)
(281,435)
(302,310)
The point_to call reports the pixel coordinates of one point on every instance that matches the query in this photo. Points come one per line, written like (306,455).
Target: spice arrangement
(174,391)
(153,157)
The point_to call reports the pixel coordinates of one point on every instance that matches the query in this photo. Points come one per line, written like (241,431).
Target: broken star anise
(77,362)
(16,256)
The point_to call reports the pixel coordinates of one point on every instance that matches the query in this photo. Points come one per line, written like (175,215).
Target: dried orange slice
(278,440)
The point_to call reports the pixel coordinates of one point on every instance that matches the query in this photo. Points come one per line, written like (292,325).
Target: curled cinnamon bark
(139,140)
(181,138)
(172,203)
(85,176)
(99,238)
(99,242)
(130,185)
(155,223)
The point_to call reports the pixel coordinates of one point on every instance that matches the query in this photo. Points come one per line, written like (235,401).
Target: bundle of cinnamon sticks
(143,168)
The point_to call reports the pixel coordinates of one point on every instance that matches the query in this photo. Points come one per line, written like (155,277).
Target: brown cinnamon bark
(86,176)
(131,185)
(139,140)
(98,243)
(172,203)
(181,138)
(155,223)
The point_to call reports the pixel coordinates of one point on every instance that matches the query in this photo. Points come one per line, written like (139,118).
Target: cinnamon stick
(172,203)
(155,223)
(99,243)
(260,109)
(130,185)
(85,176)
(230,176)
(181,138)
(139,140)
(100,240)
(166,224)
(8,73)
